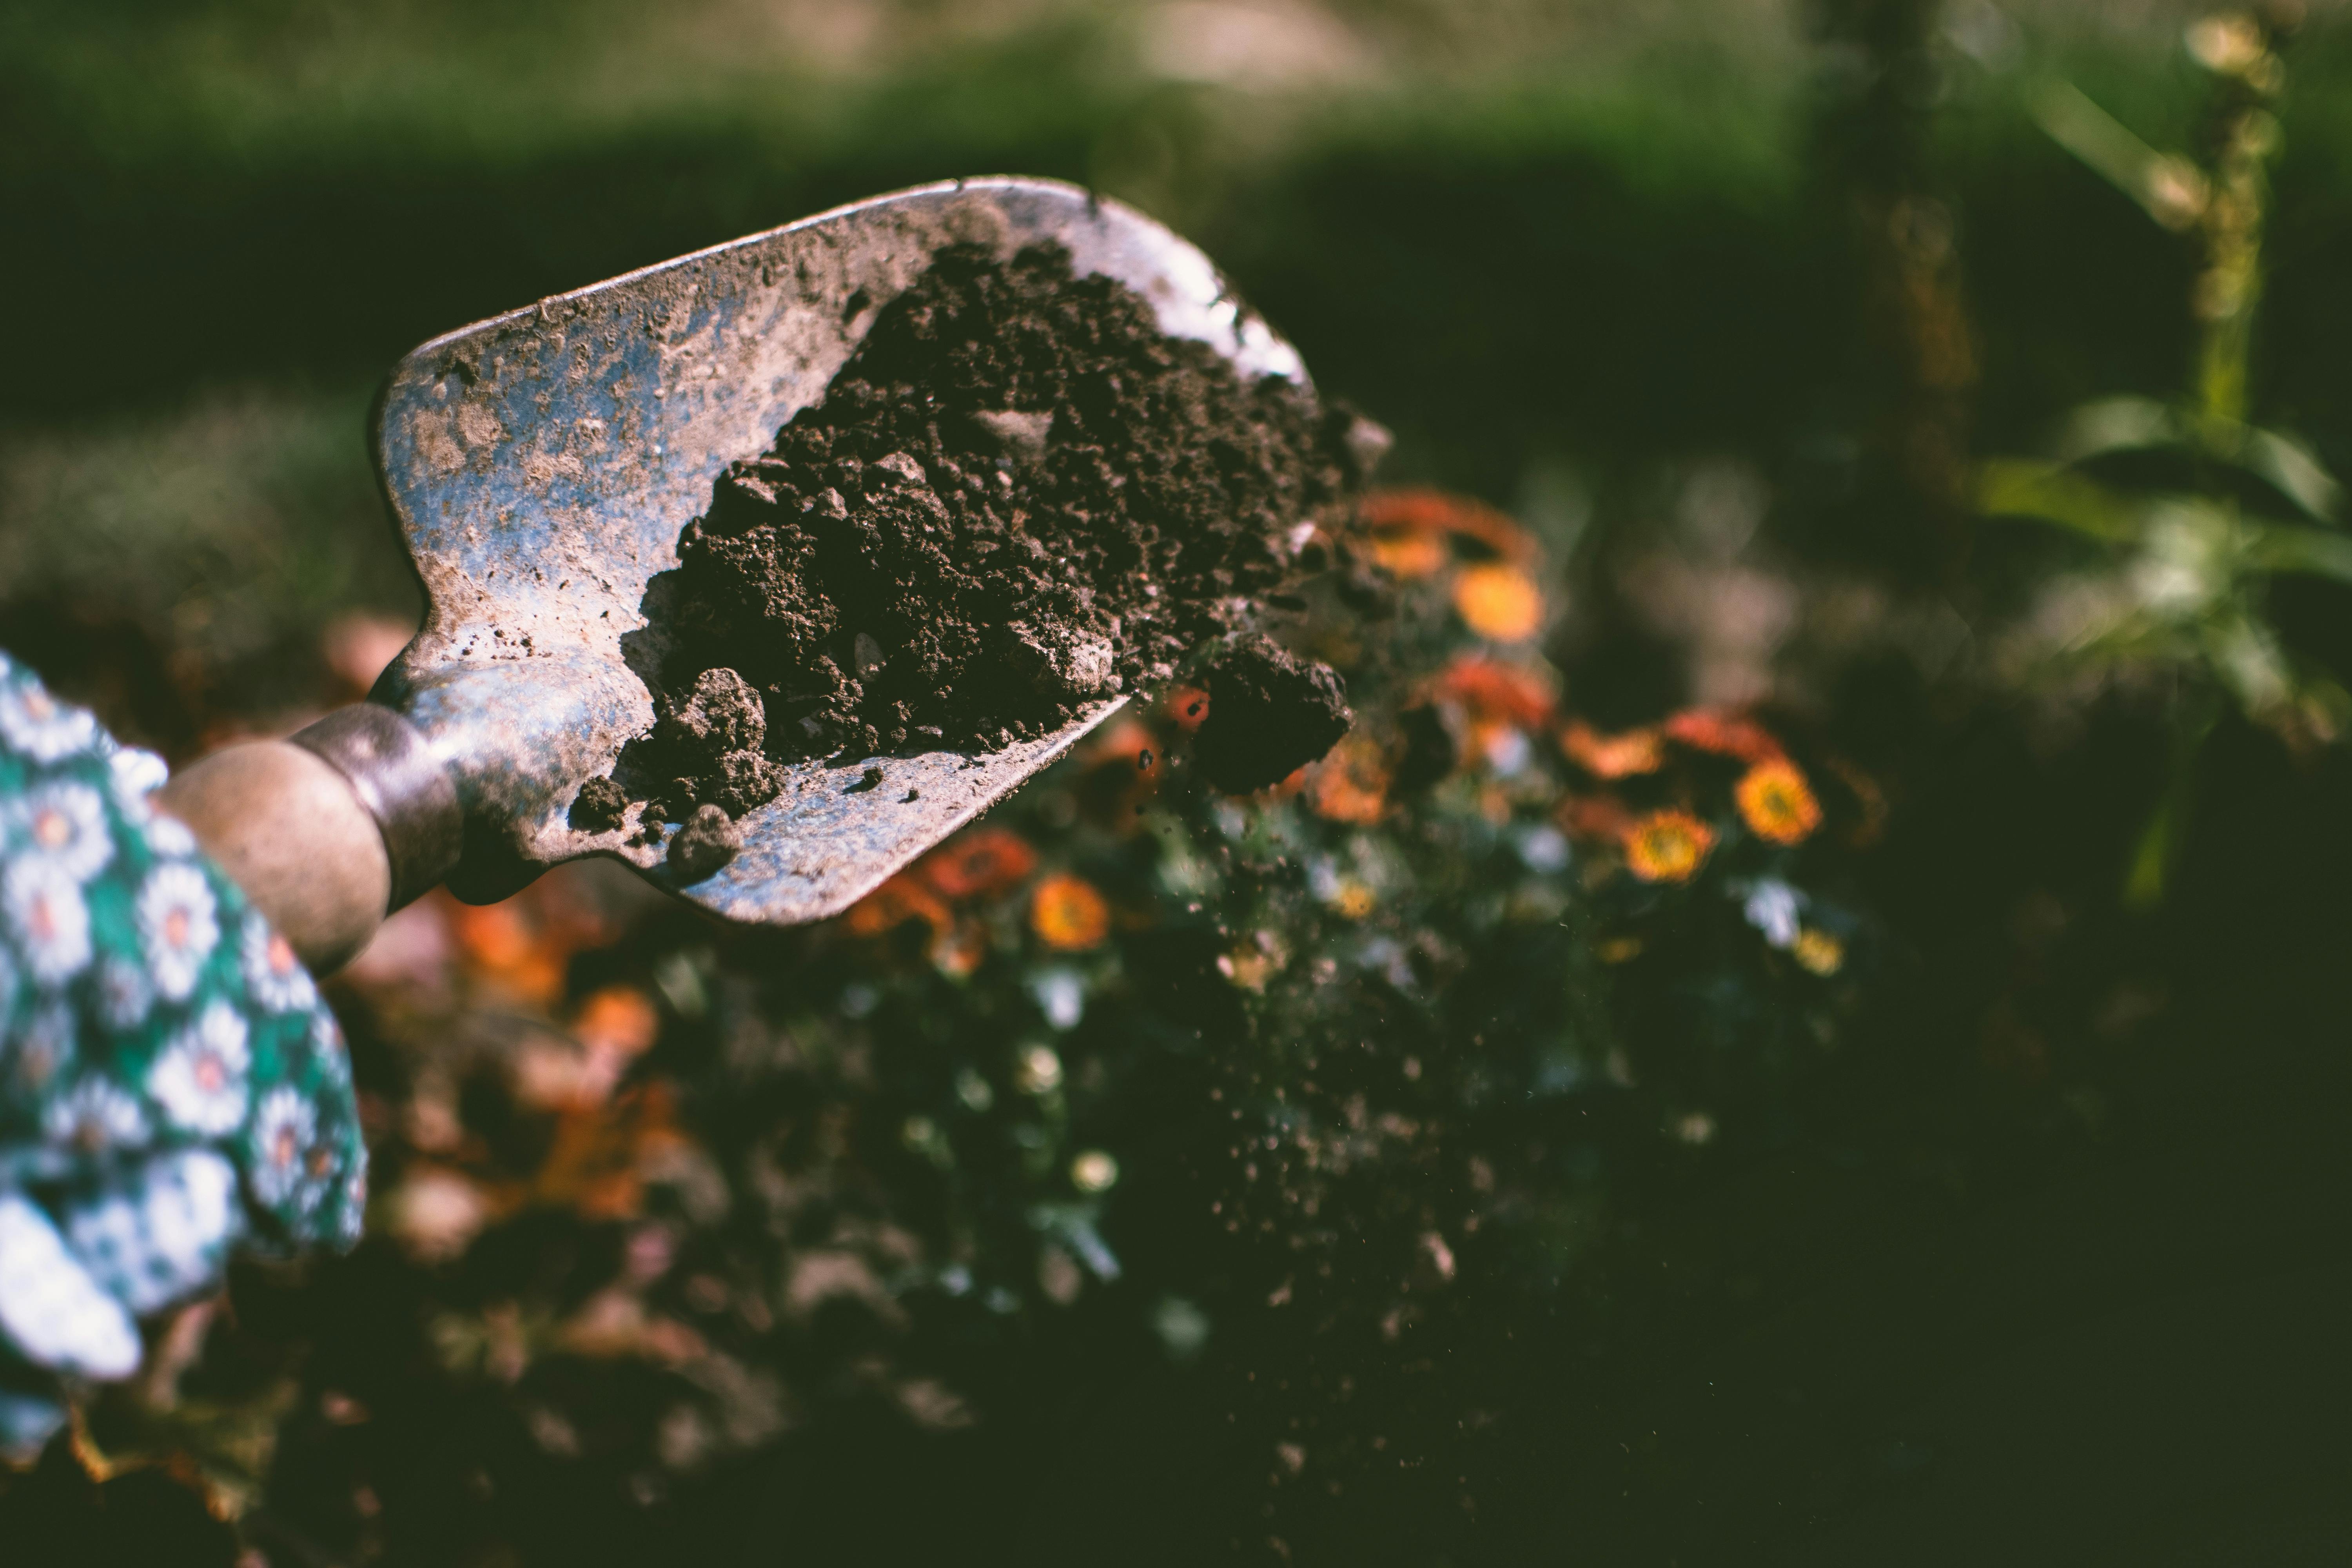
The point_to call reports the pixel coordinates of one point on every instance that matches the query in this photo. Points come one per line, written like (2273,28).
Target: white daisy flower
(124,996)
(136,776)
(273,977)
(63,823)
(199,1077)
(168,837)
(95,1116)
(161,1235)
(41,727)
(51,1311)
(42,1050)
(283,1129)
(177,927)
(327,1047)
(44,911)
(1772,907)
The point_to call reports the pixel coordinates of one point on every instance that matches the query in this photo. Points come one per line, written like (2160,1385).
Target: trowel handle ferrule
(329,831)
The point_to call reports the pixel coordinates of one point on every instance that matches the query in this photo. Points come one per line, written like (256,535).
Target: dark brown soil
(1270,713)
(1017,498)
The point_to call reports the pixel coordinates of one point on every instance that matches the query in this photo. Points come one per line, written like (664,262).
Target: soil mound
(1019,496)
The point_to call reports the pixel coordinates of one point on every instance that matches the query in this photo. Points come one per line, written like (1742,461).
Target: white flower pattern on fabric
(150,1241)
(137,774)
(94,1117)
(170,837)
(283,1129)
(41,727)
(199,1077)
(52,1311)
(178,928)
(274,976)
(135,1167)
(44,1049)
(334,1059)
(64,824)
(124,998)
(44,911)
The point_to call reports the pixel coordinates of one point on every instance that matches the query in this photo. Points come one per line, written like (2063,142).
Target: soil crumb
(602,806)
(1016,497)
(705,845)
(1270,714)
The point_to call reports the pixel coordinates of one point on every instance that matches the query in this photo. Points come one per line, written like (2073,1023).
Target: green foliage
(2194,508)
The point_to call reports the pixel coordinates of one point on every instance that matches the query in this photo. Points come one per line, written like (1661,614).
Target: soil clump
(1270,713)
(1018,496)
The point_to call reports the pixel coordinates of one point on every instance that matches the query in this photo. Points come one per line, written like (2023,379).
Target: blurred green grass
(1521,232)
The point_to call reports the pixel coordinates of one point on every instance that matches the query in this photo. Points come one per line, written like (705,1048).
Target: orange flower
(1409,555)
(1492,689)
(1621,757)
(508,948)
(1776,802)
(978,863)
(1498,602)
(617,1021)
(1185,707)
(1725,734)
(1351,783)
(1667,846)
(596,1163)
(1066,912)
(892,904)
(1403,514)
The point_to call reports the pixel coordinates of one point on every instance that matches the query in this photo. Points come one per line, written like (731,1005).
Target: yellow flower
(1667,846)
(1354,901)
(1498,602)
(1777,802)
(1819,952)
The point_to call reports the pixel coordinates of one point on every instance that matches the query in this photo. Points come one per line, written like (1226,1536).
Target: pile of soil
(1018,496)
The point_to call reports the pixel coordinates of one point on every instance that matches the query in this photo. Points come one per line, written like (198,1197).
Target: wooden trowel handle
(326,832)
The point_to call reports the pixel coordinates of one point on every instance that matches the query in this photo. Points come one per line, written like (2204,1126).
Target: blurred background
(1951,389)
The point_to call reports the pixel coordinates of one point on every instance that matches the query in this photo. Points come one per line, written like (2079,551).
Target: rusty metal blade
(540,466)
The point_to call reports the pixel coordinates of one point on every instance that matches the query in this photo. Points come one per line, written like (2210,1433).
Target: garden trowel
(540,466)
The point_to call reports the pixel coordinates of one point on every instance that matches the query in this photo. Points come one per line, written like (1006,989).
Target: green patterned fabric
(170,1085)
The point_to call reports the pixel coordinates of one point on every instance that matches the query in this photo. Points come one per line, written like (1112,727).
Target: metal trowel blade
(541,464)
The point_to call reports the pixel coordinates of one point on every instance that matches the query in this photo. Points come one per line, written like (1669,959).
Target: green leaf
(2288,547)
(2171,190)
(2297,474)
(2118,425)
(2014,486)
